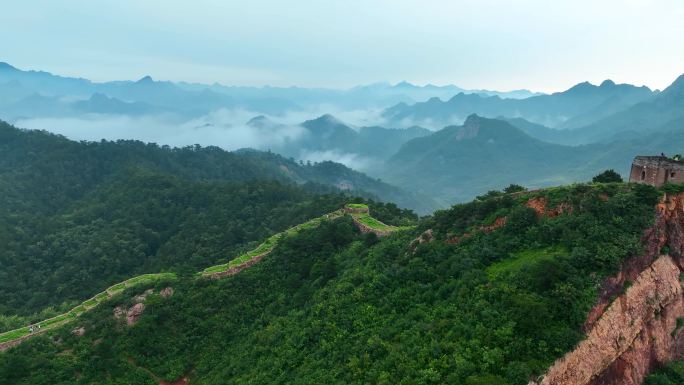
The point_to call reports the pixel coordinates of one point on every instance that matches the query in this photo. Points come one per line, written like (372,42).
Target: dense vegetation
(332,306)
(78,217)
(672,374)
(608,176)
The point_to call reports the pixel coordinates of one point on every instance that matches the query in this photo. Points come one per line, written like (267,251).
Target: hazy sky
(543,45)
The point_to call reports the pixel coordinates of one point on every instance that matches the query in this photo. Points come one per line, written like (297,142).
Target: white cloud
(225,129)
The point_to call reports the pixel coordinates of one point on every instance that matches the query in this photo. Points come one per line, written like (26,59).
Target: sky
(492,44)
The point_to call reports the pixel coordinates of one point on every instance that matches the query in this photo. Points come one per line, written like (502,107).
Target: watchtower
(657,170)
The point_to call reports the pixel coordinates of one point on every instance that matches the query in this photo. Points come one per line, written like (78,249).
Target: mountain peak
(327,118)
(580,87)
(99,96)
(259,121)
(675,90)
(472,119)
(7,67)
(678,83)
(404,84)
(607,83)
(146,79)
(470,129)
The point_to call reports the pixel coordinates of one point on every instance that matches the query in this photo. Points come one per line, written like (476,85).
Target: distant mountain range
(518,137)
(663,112)
(30,94)
(574,107)
(459,162)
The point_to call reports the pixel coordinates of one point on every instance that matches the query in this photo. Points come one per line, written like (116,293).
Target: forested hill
(492,292)
(77,217)
(69,169)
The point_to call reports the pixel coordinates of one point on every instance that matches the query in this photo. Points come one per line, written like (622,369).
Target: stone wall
(238,268)
(656,170)
(367,229)
(356,210)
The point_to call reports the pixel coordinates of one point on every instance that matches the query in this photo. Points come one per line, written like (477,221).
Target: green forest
(486,292)
(76,217)
(331,305)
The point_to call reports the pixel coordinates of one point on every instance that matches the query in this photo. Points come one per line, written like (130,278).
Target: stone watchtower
(657,170)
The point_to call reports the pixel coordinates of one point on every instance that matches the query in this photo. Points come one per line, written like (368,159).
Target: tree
(513,188)
(608,176)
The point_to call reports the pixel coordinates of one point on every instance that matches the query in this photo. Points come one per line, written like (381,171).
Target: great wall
(633,328)
(359,213)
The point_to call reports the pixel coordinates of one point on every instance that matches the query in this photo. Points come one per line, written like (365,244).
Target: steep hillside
(77,217)
(575,107)
(359,213)
(27,155)
(460,162)
(635,326)
(490,292)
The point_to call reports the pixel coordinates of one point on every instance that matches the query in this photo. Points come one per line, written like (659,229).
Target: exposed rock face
(425,237)
(166,292)
(142,297)
(498,223)
(637,332)
(134,313)
(631,336)
(539,205)
(80,331)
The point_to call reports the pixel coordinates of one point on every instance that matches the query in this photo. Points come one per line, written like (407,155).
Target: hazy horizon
(331,44)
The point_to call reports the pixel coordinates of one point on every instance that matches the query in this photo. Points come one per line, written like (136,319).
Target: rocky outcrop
(497,224)
(166,292)
(539,205)
(632,336)
(142,297)
(79,331)
(636,332)
(134,313)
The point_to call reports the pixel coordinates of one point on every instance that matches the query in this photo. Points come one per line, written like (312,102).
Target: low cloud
(355,161)
(225,129)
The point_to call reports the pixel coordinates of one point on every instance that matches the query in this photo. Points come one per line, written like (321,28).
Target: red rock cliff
(637,332)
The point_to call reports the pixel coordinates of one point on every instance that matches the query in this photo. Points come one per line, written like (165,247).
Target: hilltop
(491,291)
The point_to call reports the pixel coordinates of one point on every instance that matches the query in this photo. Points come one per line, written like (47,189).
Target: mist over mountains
(442,143)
